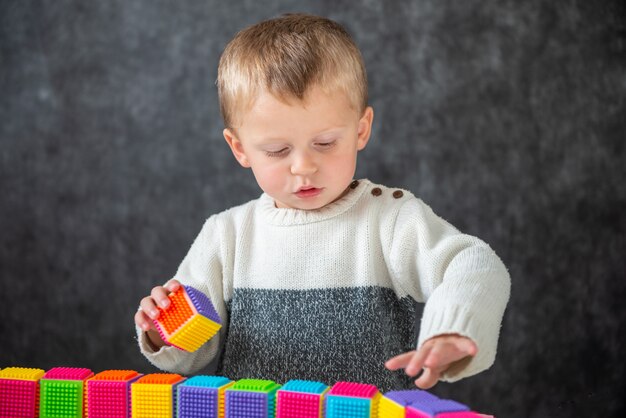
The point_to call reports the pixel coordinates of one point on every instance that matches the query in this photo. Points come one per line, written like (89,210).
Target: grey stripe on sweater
(328,335)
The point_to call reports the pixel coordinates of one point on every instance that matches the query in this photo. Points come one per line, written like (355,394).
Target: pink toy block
(19,392)
(354,390)
(301,399)
(108,394)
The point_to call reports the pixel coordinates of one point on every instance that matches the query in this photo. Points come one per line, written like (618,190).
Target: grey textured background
(506,117)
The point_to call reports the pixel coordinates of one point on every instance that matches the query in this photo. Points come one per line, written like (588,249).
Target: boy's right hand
(148,311)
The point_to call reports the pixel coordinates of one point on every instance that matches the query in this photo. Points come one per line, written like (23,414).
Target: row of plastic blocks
(189,321)
(307,399)
(33,392)
(162,395)
(126,393)
(166,395)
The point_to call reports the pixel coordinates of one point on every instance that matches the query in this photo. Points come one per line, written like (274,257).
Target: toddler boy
(319,277)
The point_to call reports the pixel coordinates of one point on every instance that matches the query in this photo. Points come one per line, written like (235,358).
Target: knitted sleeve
(464,284)
(202,269)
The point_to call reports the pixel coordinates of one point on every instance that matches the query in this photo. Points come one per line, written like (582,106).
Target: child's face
(302,154)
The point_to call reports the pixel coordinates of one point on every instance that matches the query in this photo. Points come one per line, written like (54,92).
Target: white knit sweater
(330,294)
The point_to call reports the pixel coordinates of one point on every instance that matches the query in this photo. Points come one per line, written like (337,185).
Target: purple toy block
(432,408)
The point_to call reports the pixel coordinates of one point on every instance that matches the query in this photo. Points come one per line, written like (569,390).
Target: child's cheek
(343,166)
(273,177)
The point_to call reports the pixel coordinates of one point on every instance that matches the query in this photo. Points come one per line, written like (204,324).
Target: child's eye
(327,144)
(278,153)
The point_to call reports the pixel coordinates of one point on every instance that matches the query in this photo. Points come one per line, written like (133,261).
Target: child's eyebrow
(327,132)
(320,134)
(270,140)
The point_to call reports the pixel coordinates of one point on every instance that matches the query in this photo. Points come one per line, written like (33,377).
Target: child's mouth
(308,192)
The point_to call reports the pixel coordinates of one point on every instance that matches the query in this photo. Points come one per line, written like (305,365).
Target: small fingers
(149,308)
(160,296)
(400,361)
(468,346)
(172,285)
(143,321)
(412,361)
(442,355)
(447,351)
(429,378)
(417,362)
(433,358)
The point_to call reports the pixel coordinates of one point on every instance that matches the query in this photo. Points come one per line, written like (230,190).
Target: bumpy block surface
(62,392)
(202,397)
(154,395)
(429,408)
(108,394)
(189,321)
(352,400)
(393,403)
(251,398)
(301,399)
(19,392)
(389,408)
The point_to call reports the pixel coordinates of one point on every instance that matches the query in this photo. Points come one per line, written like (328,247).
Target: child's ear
(365,128)
(236,147)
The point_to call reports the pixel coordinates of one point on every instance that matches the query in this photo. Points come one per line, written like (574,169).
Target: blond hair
(286,56)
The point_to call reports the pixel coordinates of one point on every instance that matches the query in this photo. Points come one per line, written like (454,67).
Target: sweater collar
(288,216)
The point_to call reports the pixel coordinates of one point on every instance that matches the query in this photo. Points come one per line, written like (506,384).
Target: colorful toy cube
(251,398)
(63,392)
(108,394)
(301,399)
(352,400)
(393,404)
(189,321)
(202,397)
(426,407)
(19,392)
(154,395)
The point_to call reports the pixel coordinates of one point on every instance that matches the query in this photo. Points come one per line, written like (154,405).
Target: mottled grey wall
(506,117)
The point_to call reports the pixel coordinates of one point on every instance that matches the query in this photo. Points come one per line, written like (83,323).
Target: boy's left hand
(435,357)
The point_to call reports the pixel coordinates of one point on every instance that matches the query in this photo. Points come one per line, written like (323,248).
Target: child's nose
(303,165)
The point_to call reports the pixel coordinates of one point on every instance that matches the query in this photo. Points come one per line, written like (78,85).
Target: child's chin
(308,207)
(304,205)
(312,203)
